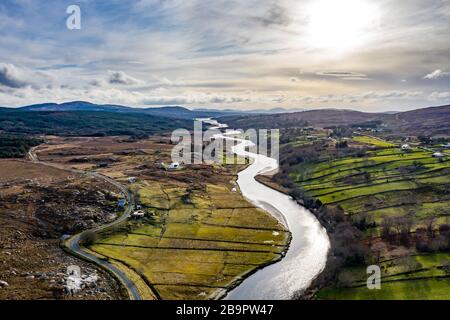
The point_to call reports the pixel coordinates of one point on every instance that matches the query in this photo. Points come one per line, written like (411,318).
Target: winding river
(307,254)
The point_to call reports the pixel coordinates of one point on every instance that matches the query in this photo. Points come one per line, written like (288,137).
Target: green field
(386,183)
(195,243)
(411,278)
(373,141)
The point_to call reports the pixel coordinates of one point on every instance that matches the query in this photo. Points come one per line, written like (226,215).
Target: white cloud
(440,96)
(183,52)
(436,74)
(344,75)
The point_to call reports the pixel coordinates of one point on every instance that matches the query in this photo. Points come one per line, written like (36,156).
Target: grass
(423,289)
(409,278)
(373,141)
(198,241)
(386,182)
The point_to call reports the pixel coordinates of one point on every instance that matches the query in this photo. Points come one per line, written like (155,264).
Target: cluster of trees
(341,132)
(398,230)
(368,124)
(290,155)
(87,123)
(291,134)
(431,239)
(13,146)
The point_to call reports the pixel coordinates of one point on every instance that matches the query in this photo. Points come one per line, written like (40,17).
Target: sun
(341,25)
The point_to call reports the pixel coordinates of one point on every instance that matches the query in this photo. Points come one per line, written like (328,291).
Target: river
(307,253)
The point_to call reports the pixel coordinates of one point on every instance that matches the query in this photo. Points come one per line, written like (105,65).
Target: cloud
(436,74)
(9,76)
(120,77)
(213,54)
(353,76)
(444,9)
(276,15)
(440,96)
(97,83)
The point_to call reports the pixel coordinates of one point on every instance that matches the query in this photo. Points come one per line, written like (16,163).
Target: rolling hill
(78,106)
(428,121)
(86,123)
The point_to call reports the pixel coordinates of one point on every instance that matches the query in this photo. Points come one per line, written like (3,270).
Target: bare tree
(88,238)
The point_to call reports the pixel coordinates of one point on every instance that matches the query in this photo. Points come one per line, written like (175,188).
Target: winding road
(73,243)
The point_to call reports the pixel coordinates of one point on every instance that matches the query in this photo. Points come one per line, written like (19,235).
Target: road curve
(73,244)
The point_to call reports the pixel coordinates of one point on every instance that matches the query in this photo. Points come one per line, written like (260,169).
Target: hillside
(86,123)
(78,106)
(317,118)
(382,204)
(428,121)
(12,146)
(435,120)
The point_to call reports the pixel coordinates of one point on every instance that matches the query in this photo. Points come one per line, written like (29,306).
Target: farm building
(132,179)
(406,147)
(138,214)
(174,165)
(438,155)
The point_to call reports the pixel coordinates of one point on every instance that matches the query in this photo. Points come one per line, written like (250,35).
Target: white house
(132,179)
(406,147)
(438,155)
(138,214)
(174,165)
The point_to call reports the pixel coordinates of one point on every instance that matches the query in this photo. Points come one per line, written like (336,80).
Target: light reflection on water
(307,253)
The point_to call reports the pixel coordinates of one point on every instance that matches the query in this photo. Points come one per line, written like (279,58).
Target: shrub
(88,238)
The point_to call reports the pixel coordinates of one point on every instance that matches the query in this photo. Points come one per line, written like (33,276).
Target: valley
(190,231)
(384,202)
(199,236)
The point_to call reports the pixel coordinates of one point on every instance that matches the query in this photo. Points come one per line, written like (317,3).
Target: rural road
(73,244)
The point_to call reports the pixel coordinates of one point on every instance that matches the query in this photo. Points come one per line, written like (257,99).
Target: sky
(368,55)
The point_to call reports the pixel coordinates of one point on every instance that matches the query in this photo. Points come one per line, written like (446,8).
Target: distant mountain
(276,110)
(318,118)
(87,123)
(169,111)
(434,120)
(428,121)
(179,112)
(253,111)
(75,106)
(78,106)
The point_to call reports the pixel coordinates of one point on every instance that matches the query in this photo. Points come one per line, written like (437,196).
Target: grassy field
(410,278)
(373,141)
(386,182)
(195,243)
(199,236)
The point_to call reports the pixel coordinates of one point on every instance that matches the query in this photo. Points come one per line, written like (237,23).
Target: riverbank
(307,253)
(323,277)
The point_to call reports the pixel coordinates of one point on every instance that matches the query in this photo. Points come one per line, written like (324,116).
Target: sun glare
(341,25)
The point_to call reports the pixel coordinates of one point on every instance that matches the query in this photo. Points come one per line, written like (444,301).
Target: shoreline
(309,292)
(222,294)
